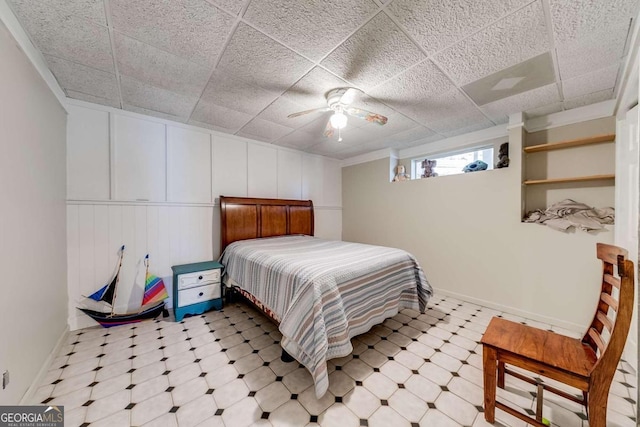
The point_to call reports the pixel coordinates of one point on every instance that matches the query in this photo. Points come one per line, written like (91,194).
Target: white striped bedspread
(325,292)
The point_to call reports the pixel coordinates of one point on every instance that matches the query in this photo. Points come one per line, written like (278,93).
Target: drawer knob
(199,277)
(200,294)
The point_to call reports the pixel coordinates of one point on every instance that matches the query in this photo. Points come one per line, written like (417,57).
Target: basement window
(453,163)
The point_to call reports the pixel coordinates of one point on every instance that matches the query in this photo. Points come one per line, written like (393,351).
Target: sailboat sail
(154,289)
(153,304)
(107,292)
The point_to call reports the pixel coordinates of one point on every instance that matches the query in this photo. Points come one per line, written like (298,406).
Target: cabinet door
(289,174)
(312,179)
(189,165)
(229,167)
(87,154)
(140,159)
(263,173)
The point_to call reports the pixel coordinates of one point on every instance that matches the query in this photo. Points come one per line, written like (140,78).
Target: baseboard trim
(522,313)
(31,391)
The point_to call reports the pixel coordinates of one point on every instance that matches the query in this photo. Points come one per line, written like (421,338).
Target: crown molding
(28,48)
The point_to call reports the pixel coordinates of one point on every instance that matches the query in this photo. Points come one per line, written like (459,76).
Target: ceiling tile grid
(80,78)
(67,36)
(518,37)
(146,96)
(149,64)
(435,24)
(375,53)
(193,29)
(604,78)
(243,66)
(255,58)
(311,28)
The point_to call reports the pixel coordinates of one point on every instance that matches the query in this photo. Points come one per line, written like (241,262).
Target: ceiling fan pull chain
(339,135)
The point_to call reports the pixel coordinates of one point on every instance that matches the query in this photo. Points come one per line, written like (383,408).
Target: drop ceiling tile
(375,53)
(222,118)
(264,130)
(396,123)
(499,110)
(317,126)
(469,126)
(422,141)
(311,90)
(298,139)
(330,147)
(143,95)
(228,92)
(312,28)
(358,136)
(590,98)
(418,133)
(153,113)
(579,19)
(193,29)
(255,58)
(450,111)
(585,56)
(93,99)
(232,6)
(604,78)
(544,110)
(436,24)
(158,68)
(80,78)
(89,9)
(278,111)
(518,37)
(67,36)
(368,103)
(411,91)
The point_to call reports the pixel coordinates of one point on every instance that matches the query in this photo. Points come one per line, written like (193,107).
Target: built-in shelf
(571,143)
(570,179)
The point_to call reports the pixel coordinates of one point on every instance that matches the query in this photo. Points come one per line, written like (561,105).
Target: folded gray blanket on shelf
(568,213)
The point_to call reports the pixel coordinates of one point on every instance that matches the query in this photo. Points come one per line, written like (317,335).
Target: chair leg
(489,356)
(501,375)
(597,409)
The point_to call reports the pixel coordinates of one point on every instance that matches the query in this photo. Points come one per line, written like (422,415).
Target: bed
(321,293)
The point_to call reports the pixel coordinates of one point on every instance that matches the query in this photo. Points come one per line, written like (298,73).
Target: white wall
(153,185)
(33,288)
(466,232)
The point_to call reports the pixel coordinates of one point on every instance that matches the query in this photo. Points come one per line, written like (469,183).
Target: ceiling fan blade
(367,115)
(302,113)
(349,96)
(328,130)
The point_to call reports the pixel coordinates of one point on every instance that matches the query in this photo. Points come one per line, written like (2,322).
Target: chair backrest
(607,336)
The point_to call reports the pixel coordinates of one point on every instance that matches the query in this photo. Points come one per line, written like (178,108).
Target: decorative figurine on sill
(503,156)
(400,174)
(429,166)
(478,165)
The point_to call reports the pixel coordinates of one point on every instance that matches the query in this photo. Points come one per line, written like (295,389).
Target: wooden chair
(587,364)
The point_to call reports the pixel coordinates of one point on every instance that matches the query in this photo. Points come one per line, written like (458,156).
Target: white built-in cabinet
(140,156)
(189,165)
(124,157)
(88,154)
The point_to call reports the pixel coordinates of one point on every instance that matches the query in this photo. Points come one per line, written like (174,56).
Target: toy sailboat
(152,303)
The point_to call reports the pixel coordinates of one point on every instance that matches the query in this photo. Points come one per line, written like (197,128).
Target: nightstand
(196,288)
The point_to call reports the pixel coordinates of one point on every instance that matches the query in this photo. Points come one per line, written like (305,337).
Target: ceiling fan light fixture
(338,120)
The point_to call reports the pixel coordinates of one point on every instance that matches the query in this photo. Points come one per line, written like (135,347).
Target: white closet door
(263,172)
(312,179)
(332,183)
(87,154)
(140,159)
(189,165)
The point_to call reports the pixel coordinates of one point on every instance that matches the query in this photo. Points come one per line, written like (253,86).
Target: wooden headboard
(249,218)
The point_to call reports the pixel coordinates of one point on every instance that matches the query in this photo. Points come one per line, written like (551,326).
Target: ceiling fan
(338,101)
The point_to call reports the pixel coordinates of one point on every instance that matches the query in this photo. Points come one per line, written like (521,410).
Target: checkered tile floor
(224,369)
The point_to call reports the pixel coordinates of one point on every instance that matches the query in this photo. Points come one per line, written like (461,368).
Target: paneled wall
(152,185)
